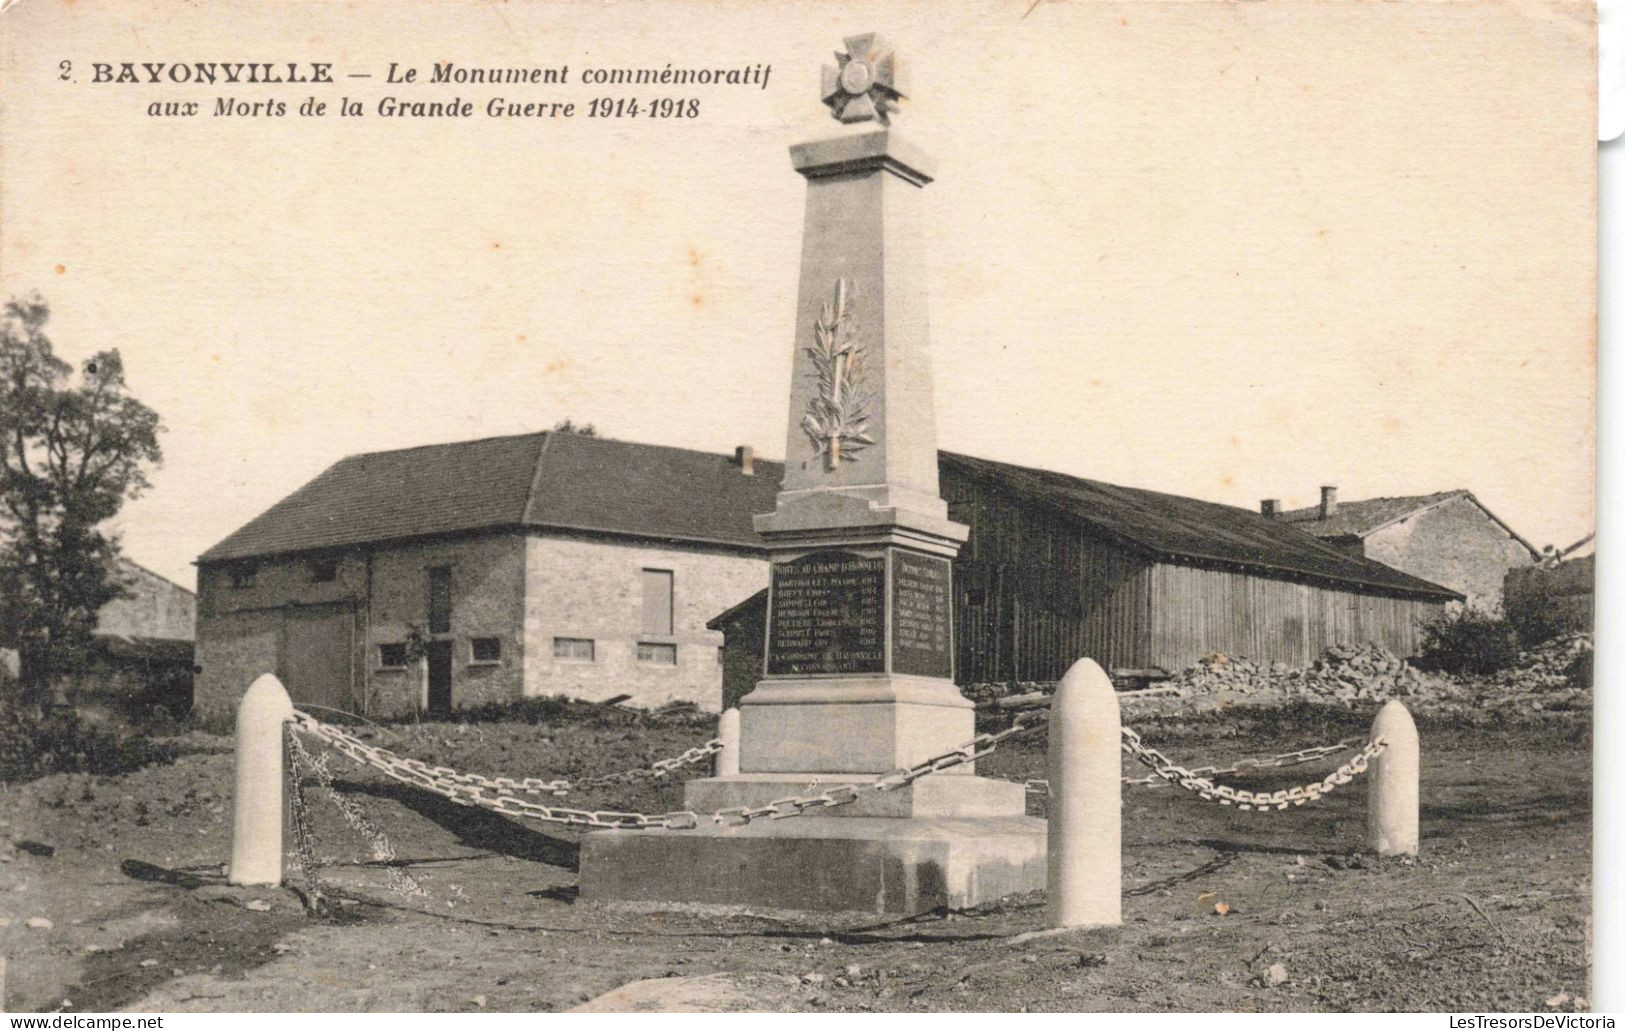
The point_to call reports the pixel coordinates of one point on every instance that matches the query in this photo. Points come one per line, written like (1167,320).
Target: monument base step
(861,864)
(929,797)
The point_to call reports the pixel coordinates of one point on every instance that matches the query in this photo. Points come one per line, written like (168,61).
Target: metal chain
(464,789)
(297,762)
(469,789)
(382,849)
(421,774)
(1254,801)
(1298,758)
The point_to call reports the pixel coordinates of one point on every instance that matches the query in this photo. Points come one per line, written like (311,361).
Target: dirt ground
(1494,915)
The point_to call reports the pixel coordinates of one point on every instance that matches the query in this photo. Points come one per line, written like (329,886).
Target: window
(657,594)
(392,656)
(242,574)
(658,654)
(574,649)
(486,649)
(440,600)
(324,570)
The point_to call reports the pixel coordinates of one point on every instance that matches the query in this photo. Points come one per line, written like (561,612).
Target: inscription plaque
(827,615)
(922,615)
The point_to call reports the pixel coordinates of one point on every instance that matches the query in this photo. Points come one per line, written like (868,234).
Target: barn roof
(1172,527)
(1364,518)
(563,481)
(566,481)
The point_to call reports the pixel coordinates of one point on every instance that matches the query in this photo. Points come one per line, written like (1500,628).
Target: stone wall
(244,631)
(155,607)
(488,597)
(523,591)
(591,589)
(1455,545)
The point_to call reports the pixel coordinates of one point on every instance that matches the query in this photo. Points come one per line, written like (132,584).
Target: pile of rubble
(1342,675)
(1562,663)
(1554,677)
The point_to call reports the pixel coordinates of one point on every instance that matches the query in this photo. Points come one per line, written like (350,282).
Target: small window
(392,656)
(657,599)
(440,600)
(722,656)
(324,570)
(486,649)
(242,574)
(574,649)
(657,654)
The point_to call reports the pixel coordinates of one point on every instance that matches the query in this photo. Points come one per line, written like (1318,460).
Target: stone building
(1449,538)
(546,563)
(153,607)
(140,653)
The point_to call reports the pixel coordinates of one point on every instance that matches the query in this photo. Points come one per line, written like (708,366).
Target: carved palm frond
(837,419)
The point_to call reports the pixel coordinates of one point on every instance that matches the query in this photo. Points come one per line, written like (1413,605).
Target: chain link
(1298,758)
(297,763)
(423,775)
(471,789)
(1249,801)
(382,849)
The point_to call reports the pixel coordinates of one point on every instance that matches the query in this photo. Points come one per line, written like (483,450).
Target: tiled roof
(559,480)
(1363,518)
(572,482)
(1180,528)
(1359,518)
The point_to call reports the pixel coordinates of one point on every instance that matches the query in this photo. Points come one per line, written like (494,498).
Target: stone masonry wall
(591,589)
(488,593)
(155,607)
(1454,545)
(243,631)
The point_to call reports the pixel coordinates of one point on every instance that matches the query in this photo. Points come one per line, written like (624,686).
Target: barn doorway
(439,658)
(317,655)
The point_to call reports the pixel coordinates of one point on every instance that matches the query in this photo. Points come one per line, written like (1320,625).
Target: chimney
(745,458)
(1269,508)
(1328,502)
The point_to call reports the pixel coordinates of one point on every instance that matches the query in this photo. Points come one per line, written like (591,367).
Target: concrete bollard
(1086,801)
(1393,817)
(256,829)
(727,764)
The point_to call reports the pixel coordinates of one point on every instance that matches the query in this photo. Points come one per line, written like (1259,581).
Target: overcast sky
(1230,251)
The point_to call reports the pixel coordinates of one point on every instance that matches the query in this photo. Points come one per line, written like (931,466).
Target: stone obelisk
(859,657)
(860,614)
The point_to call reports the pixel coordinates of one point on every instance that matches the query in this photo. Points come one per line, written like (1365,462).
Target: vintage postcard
(1030,506)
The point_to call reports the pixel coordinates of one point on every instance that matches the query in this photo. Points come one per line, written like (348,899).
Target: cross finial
(864,85)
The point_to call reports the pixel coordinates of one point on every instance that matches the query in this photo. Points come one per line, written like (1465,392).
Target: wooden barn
(1059,567)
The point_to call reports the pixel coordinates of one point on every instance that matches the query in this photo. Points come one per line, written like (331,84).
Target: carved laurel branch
(837,419)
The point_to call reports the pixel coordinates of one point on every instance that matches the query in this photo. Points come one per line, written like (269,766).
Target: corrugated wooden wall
(1034,592)
(1197,611)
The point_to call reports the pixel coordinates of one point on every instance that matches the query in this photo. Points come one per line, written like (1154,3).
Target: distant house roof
(1172,527)
(1364,518)
(566,481)
(129,570)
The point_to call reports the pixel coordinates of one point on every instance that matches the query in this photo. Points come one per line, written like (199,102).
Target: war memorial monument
(859,665)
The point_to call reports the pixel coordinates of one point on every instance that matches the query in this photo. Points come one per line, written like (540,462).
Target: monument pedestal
(864,864)
(851,725)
